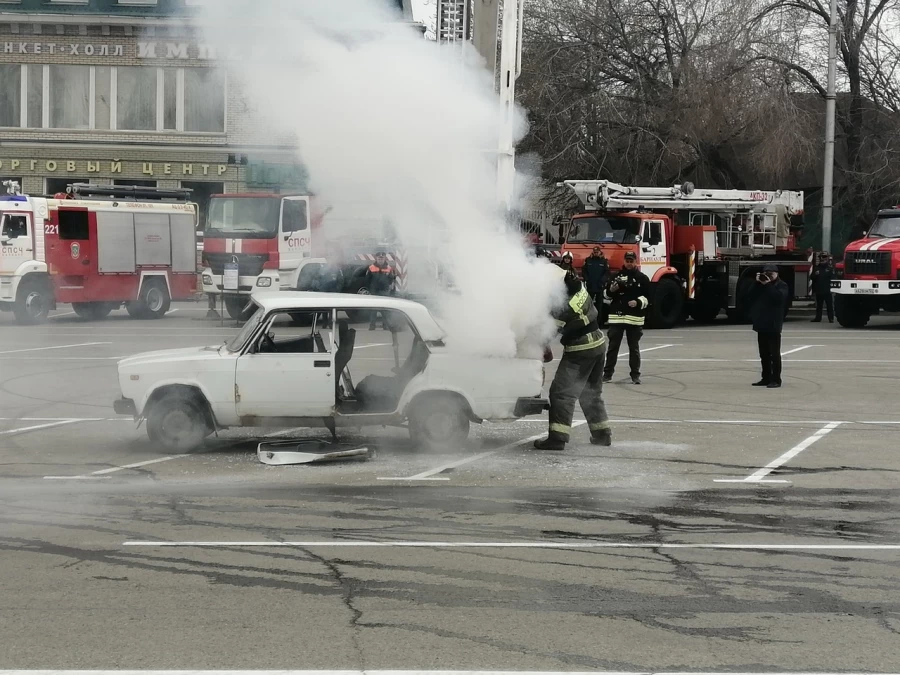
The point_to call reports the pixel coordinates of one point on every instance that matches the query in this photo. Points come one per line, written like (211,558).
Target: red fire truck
(870,279)
(279,242)
(700,248)
(97,247)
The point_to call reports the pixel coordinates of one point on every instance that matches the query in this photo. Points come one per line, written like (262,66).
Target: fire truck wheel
(236,305)
(849,314)
(33,302)
(439,422)
(177,422)
(92,311)
(666,305)
(154,300)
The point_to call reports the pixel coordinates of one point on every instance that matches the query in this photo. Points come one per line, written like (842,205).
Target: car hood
(171,356)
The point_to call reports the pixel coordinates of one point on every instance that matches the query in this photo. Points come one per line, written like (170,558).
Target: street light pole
(828,173)
(510,68)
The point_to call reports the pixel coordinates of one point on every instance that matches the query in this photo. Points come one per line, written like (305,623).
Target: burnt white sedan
(290,366)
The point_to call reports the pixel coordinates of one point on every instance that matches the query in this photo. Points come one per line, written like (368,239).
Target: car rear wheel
(439,422)
(177,423)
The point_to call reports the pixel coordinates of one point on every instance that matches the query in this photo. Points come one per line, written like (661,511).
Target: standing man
(595,271)
(380,281)
(822,274)
(628,294)
(579,377)
(768,300)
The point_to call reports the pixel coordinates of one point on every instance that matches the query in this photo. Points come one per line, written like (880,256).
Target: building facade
(123,92)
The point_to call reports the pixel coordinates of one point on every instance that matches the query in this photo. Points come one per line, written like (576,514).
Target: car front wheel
(178,423)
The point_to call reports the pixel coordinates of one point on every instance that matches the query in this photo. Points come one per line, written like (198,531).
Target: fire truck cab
(96,247)
(870,282)
(271,242)
(701,248)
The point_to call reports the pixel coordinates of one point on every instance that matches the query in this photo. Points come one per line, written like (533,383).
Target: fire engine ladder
(746,219)
(128,191)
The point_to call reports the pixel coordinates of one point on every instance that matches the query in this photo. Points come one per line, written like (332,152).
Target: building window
(11,101)
(4,190)
(70,88)
(127,98)
(204,100)
(56,185)
(34,117)
(136,96)
(102,97)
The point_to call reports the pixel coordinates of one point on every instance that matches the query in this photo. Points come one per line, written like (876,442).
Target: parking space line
(41,349)
(517,544)
(760,475)
(50,425)
(136,465)
(799,349)
(430,474)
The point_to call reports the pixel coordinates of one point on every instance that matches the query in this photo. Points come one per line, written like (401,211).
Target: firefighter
(628,295)
(595,271)
(380,279)
(822,275)
(579,377)
(567,262)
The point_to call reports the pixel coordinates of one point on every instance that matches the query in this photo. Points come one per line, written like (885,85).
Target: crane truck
(701,248)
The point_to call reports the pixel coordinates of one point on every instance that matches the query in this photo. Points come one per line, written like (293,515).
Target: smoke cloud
(385,119)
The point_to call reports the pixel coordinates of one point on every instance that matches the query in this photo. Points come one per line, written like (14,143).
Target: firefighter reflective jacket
(630,285)
(380,280)
(577,322)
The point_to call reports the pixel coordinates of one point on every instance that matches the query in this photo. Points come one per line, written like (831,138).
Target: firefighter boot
(601,437)
(552,442)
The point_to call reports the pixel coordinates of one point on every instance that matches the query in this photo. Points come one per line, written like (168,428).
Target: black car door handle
(322,364)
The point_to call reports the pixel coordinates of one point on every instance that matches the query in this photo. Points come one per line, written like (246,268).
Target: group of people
(380,279)
(589,357)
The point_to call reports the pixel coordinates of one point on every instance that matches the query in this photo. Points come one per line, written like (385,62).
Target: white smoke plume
(382,117)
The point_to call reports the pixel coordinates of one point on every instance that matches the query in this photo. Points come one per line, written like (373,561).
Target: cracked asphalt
(660,553)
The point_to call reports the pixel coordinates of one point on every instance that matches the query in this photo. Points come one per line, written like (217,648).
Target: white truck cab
(287,367)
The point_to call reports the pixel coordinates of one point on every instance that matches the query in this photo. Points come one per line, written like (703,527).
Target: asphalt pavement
(727,529)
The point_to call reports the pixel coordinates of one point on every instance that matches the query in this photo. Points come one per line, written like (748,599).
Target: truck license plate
(871,291)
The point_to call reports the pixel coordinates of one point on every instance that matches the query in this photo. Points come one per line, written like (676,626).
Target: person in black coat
(768,299)
(595,273)
(822,274)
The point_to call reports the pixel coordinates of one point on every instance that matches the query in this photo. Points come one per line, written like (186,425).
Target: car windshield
(241,338)
(605,229)
(243,216)
(885,226)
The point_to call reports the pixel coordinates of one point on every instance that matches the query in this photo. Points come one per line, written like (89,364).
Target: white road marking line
(759,476)
(648,349)
(427,475)
(172,311)
(374,672)
(74,477)
(136,465)
(874,362)
(56,316)
(12,432)
(381,344)
(799,349)
(40,349)
(518,544)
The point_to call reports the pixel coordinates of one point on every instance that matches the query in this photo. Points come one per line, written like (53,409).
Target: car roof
(276,301)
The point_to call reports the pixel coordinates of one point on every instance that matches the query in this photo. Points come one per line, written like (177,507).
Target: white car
(287,368)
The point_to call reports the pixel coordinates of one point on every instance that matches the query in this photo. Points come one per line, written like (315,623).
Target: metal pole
(509,65)
(828,173)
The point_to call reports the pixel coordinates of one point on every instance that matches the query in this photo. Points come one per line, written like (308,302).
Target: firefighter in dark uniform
(380,281)
(628,295)
(579,377)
